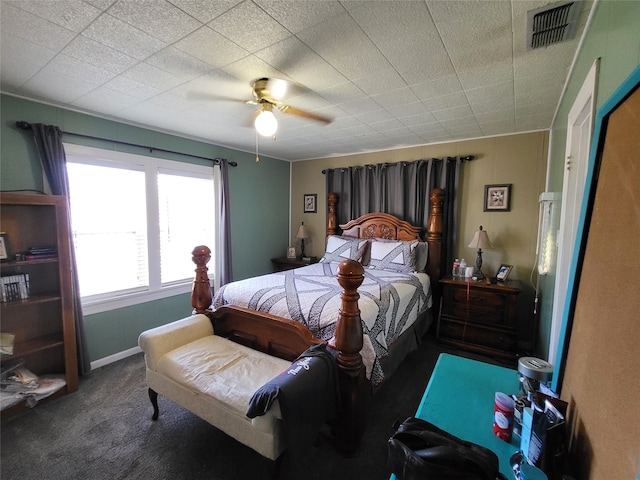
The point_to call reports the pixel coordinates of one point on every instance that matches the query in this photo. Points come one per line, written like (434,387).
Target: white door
(579,131)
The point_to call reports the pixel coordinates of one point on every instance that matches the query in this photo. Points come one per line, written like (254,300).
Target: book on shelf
(39,253)
(15,287)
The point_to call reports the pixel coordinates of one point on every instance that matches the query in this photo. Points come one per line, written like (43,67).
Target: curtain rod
(27,126)
(466,158)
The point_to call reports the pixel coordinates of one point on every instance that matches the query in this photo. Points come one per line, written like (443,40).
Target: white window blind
(135,221)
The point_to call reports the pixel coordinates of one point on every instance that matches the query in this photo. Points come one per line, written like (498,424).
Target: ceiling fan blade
(304,113)
(199,96)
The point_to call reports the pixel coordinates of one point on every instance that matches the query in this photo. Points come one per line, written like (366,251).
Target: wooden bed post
(332,217)
(435,229)
(434,233)
(355,390)
(201,292)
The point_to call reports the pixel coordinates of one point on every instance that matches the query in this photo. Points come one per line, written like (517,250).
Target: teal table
(459,399)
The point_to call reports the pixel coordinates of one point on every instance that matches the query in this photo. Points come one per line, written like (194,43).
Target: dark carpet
(105,431)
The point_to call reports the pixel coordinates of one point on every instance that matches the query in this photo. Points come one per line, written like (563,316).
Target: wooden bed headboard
(384,225)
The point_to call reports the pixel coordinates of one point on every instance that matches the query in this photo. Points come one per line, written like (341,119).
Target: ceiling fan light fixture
(266,123)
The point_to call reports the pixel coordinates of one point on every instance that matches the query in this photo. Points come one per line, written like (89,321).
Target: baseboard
(115,357)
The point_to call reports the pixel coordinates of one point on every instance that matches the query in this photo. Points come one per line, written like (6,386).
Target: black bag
(419,450)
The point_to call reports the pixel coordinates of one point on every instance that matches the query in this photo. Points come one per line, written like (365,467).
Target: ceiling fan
(268,94)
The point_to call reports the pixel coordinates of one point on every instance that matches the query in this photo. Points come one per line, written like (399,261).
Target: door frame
(619,96)
(576,161)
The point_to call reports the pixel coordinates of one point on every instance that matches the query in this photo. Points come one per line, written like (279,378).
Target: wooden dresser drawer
(478,335)
(479,317)
(478,298)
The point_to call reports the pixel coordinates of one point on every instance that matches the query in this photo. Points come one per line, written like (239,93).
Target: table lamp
(303,233)
(480,240)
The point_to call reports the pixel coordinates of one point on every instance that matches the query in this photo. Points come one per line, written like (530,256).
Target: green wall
(259,205)
(614,37)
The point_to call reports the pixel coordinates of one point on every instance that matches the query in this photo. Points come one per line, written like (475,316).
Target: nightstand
(283,263)
(479,317)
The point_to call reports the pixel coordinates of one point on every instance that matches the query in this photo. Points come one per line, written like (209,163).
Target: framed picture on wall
(310,203)
(497,198)
(4,254)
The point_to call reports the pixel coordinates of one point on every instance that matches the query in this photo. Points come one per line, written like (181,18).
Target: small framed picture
(503,272)
(291,252)
(497,198)
(310,203)
(4,254)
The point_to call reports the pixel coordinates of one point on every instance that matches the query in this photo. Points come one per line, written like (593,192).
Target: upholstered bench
(214,378)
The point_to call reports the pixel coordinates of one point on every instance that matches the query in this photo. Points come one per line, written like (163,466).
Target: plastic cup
(503,416)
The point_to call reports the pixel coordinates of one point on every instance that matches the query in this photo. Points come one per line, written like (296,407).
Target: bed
(373,322)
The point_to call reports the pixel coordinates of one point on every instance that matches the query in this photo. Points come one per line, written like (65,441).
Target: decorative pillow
(422,254)
(343,248)
(396,256)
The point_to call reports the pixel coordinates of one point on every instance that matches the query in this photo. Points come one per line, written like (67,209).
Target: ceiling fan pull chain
(257,140)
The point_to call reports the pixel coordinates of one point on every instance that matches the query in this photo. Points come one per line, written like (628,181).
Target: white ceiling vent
(551,24)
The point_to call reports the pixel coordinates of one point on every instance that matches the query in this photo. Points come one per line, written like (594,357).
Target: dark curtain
(48,140)
(225,270)
(401,189)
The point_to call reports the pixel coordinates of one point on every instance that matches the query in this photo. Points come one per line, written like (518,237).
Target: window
(134,225)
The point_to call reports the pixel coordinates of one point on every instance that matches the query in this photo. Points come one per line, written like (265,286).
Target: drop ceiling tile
(387,125)
(476,34)
(341,93)
(301,64)
(295,15)
(507,115)
(381,83)
(487,75)
(123,37)
(132,87)
(21,59)
(71,15)
(63,89)
(438,87)
(408,110)
(249,68)
(105,100)
(179,63)
(99,55)
(453,113)
(18,23)
(211,47)
(420,119)
(496,105)
(153,76)
(490,93)
(205,10)
(402,96)
(158,18)
(249,26)
(497,128)
(66,66)
(451,100)
(405,34)
(345,46)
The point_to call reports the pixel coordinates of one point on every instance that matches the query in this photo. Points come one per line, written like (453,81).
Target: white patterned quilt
(390,302)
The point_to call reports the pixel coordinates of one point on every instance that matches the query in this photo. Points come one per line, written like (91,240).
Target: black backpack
(419,450)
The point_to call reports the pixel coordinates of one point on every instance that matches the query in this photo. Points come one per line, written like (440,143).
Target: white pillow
(343,248)
(396,256)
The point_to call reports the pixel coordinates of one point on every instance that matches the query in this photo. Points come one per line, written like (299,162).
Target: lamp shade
(303,232)
(480,239)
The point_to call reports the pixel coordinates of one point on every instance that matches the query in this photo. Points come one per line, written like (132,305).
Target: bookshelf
(42,320)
